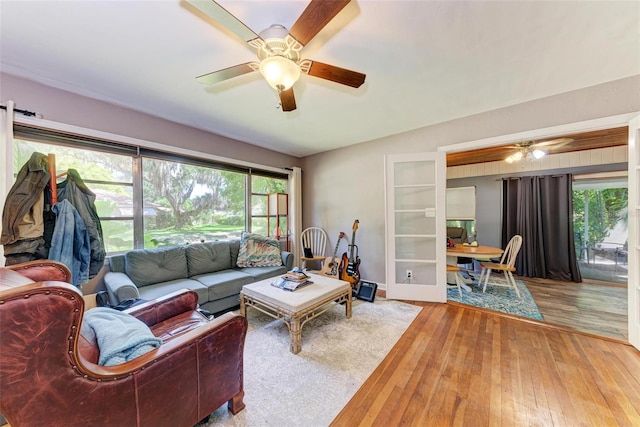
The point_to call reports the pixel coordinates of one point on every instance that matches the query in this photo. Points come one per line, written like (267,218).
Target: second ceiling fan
(279,49)
(532,150)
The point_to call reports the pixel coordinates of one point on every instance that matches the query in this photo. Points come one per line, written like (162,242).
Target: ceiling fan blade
(555,143)
(221,15)
(317,14)
(336,74)
(227,73)
(288,100)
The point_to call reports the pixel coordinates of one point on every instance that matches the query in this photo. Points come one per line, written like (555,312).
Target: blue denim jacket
(76,191)
(70,242)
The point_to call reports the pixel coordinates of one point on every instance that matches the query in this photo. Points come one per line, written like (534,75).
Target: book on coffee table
(290,285)
(295,276)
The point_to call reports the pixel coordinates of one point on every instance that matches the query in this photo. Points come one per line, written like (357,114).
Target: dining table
(479,252)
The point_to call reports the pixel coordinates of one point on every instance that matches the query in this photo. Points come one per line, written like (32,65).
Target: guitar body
(350,266)
(331,267)
(350,271)
(331,264)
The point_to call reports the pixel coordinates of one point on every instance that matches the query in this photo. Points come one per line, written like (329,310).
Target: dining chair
(506,265)
(314,243)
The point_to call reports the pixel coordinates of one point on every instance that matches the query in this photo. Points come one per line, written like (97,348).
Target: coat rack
(53,178)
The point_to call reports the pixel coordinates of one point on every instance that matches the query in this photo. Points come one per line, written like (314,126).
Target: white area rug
(309,389)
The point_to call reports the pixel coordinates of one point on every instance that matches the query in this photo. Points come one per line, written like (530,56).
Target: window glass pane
(185,203)
(264,185)
(259,225)
(91,165)
(113,200)
(258,204)
(118,235)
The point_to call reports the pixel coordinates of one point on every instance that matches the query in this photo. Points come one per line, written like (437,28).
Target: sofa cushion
(207,257)
(224,283)
(158,290)
(258,251)
(117,263)
(147,266)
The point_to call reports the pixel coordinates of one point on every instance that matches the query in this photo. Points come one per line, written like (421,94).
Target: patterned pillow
(258,251)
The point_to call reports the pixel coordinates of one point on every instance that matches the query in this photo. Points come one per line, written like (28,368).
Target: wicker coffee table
(297,307)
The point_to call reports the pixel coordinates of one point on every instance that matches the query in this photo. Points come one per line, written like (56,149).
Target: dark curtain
(540,209)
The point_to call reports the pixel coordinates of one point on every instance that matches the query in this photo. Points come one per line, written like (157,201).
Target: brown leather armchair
(49,373)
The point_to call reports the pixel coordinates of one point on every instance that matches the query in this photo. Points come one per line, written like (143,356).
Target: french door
(634,233)
(415,186)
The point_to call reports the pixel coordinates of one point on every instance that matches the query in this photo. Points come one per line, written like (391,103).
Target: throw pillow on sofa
(258,251)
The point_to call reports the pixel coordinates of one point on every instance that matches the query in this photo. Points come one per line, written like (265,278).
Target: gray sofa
(207,268)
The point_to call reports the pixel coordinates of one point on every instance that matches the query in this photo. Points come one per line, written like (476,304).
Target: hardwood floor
(594,307)
(458,365)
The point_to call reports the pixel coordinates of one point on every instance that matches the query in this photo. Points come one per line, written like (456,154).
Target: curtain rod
(25,112)
(508,178)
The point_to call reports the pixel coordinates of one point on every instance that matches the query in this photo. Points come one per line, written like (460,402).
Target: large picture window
(146,199)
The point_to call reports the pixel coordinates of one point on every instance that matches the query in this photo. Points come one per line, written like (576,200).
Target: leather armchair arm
(42,270)
(165,307)
(220,331)
(120,286)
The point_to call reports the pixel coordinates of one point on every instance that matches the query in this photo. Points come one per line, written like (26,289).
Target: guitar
(331,264)
(349,270)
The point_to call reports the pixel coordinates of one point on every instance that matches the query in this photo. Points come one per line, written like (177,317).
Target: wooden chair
(506,265)
(315,239)
(455,269)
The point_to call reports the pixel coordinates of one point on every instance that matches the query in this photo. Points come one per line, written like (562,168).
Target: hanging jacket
(70,243)
(22,214)
(78,194)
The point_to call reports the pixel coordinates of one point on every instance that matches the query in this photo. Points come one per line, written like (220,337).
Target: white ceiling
(426,62)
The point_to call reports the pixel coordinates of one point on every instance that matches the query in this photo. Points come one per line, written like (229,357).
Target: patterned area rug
(310,388)
(498,298)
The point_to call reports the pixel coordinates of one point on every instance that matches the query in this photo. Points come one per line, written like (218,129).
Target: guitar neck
(353,246)
(353,241)
(335,251)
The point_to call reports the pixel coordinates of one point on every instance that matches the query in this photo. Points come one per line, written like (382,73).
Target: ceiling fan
(279,49)
(531,150)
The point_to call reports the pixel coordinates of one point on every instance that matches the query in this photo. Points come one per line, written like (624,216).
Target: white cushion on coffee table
(294,301)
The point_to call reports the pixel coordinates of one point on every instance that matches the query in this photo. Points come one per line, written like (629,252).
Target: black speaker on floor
(366,291)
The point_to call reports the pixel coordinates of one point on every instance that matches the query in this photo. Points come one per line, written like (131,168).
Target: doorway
(555,132)
(600,224)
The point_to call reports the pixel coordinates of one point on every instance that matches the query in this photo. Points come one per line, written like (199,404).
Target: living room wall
(342,185)
(64,107)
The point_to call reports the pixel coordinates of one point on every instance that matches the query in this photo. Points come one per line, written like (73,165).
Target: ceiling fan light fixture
(527,153)
(515,157)
(538,154)
(281,73)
